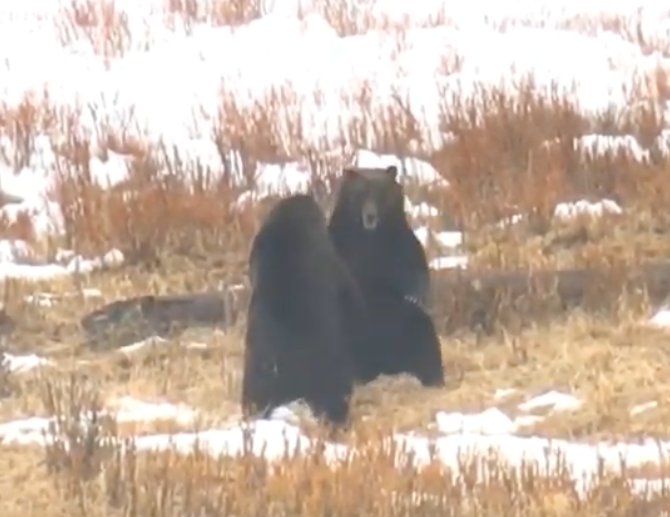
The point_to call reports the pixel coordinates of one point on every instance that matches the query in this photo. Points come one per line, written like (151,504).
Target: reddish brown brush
(503,154)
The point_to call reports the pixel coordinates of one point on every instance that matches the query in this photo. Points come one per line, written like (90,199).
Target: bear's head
(372,194)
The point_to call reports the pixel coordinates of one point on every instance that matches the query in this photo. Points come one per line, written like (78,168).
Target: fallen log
(130,320)
(480,300)
(460,299)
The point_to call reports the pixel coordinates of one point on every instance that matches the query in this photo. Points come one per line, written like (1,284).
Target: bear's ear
(392,171)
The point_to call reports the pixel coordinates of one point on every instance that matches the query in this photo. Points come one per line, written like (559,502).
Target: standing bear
(402,339)
(370,231)
(304,316)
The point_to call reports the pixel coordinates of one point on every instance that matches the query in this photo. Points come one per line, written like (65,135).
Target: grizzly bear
(369,229)
(304,316)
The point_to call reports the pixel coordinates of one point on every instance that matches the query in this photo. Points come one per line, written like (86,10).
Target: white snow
(409,168)
(661,318)
(154,342)
(22,363)
(461,434)
(449,262)
(495,46)
(502,393)
(583,207)
(573,209)
(134,348)
(443,239)
(30,431)
(16,251)
(273,179)
(422,234)
(554,400)
(421,210)
(175,85)
(27,271)
(490,422)
(449,239)
(641,408)
(599,145)
(273,439)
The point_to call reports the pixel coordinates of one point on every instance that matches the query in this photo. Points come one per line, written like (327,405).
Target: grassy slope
(183,239)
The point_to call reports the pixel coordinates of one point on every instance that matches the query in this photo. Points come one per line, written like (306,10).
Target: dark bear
(402,339)
(370,231)
(303,316)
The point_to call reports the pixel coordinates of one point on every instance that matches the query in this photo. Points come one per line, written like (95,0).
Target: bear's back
(291,264)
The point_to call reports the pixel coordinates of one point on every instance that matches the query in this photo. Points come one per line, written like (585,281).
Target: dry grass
(180,229)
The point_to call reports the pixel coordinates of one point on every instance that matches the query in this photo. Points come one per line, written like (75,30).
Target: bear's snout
(370,215)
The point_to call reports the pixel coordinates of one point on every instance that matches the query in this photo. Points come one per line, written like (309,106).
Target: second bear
(370,231)
(302,318)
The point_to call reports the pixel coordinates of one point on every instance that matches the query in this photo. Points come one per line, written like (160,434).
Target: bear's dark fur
(402,339)
(370,231)
(302,316)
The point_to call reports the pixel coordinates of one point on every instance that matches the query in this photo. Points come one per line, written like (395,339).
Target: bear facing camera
(370,231)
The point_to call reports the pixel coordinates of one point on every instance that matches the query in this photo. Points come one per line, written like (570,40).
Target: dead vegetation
(182,228)
(92,468)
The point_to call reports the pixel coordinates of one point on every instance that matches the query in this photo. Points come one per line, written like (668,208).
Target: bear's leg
(263,388)
(426,354)
(259,387)
(328,387)
(333,408)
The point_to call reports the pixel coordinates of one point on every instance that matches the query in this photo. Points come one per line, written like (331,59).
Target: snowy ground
(165,83)
(490,431)
(47,60)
